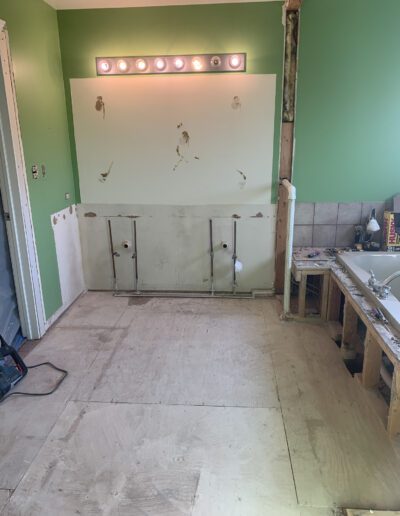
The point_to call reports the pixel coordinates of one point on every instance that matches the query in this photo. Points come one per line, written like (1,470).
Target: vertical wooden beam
(334,300)
(372,362)
(292,4)
(324,295)
(287,134)
(350,337)
(303,295)
(393,427)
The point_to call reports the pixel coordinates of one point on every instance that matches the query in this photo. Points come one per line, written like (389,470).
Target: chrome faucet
(382,288)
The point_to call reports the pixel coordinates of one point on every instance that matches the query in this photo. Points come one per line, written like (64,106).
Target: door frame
(16,203)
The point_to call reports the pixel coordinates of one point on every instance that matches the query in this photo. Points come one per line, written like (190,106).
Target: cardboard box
(391,231)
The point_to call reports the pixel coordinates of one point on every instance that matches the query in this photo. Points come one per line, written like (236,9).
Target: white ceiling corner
(102,4)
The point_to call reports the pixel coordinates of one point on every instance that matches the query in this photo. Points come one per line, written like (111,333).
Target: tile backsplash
(332,224)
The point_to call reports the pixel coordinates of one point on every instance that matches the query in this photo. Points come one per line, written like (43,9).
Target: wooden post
(393,427)
(292,5)
(372,362)
(334,301)
(349,339)
(324,295)
(287,135)
(302,294)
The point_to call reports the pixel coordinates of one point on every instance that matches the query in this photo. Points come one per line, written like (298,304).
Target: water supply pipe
(289,245)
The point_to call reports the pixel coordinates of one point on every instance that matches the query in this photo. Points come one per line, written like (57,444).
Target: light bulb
(197,64)
(179,63)
(141,65)
(160,64)
(234,61)
(122,66)
(105,66)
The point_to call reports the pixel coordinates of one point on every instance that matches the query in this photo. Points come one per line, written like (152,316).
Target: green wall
(34,41)
(255,28)
(348,110)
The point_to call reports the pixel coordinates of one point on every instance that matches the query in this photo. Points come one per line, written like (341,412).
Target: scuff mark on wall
(242,183)
(90,214)
(258,215)
(236,216)
(185,138)
(104,175)
(182,148)
(100,106)
(236,103)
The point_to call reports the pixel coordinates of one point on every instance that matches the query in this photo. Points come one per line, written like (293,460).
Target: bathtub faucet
(382,288)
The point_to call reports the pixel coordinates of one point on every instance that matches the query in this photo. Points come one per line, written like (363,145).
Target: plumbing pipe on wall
(289,244)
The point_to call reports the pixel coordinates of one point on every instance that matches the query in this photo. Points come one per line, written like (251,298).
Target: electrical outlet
(35,172)
(67,196)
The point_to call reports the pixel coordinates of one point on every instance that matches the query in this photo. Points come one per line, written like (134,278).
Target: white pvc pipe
(289,245)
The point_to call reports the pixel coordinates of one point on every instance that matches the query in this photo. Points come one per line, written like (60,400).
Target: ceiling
(96,4)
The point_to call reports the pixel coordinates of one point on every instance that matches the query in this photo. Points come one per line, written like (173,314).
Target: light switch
(67,196)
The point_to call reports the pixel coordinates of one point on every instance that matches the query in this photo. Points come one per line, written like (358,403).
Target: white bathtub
(358,266)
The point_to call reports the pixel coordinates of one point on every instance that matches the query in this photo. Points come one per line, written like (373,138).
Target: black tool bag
(12,368)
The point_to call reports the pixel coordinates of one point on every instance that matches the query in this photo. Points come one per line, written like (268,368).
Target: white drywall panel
(175,140)
(69,254)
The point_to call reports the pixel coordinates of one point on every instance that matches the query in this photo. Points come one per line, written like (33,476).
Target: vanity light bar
(196,63)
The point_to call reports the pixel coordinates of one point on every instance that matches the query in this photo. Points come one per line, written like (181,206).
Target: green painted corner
(34,41)
(348,114)
(255,28)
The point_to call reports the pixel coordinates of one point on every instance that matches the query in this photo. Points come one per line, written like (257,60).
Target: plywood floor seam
(192,407)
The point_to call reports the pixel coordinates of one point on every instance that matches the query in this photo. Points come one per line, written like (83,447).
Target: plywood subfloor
(192,407)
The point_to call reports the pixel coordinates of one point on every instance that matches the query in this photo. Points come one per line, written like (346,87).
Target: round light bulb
(141,65)
(105,66)
(216,61)
(234,61)
(179,63)
(197,64)
(160,64)
(122,66)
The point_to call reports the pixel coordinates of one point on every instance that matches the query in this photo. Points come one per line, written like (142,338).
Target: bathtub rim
(390,307)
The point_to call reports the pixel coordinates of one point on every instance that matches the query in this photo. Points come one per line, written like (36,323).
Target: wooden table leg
(349,339)
(393,427)
(334,300)
(302,295)
(372,362)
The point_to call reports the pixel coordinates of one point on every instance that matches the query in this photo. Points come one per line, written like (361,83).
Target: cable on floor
(39,394)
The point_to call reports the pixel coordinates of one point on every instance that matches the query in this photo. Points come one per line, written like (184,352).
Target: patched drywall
(170,154)
(175,139)
(173,246)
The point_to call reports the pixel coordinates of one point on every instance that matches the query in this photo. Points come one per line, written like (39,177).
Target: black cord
(35,394)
